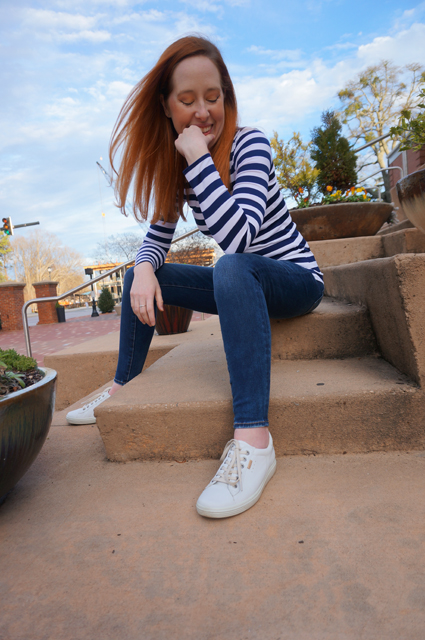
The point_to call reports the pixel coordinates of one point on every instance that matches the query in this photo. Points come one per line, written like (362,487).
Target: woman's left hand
(193,144)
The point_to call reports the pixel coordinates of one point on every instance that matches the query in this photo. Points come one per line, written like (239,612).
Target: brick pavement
(47,339)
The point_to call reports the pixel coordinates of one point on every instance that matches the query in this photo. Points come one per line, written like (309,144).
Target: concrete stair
(83,369)
(348,377)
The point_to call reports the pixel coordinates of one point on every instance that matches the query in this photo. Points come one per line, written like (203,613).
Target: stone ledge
(361,404)
(330,253)
(333,330)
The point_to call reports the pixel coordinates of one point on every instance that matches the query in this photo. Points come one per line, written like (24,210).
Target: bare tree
(41,256)
(372,103)
(119,248)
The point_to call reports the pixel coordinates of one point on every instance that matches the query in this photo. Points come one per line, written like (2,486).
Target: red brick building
(409,160)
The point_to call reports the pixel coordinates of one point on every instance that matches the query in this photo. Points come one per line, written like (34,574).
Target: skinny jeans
(245,290)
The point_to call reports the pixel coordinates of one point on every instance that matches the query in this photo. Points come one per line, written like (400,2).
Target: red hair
(146,135)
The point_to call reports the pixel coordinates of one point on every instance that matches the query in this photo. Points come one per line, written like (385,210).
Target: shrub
(334,158)
(12,360)
(106,302)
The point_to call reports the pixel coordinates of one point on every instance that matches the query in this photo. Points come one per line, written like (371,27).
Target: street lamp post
(89,272)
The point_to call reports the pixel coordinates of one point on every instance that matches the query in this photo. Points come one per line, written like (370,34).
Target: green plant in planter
(106,302)
(334,158)
(411,129)
(16,371)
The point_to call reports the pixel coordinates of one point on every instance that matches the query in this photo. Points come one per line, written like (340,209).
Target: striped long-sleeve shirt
(252,218)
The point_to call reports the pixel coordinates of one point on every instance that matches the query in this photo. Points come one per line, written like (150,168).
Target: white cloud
(286,101)
(403,47)
(45,19)
(277,54)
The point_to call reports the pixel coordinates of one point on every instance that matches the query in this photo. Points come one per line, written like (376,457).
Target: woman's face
(196,97)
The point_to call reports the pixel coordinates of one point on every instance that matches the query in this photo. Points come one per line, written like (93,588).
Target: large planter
(172,320)
(411,193)
(25,418)
(345,220)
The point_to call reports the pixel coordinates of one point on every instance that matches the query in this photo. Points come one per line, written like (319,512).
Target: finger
(158,298)
(209,139)
(150,313)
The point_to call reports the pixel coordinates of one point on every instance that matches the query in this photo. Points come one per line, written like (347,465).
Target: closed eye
(188,104)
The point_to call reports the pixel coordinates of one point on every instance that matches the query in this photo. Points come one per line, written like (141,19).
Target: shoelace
(99,395)
(230,472)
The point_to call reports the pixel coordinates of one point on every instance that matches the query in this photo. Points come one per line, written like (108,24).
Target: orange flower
(364,196)
(300,190)
(328,188)
(352,189)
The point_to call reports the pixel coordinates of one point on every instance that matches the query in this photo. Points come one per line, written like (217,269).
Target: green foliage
(294,171)
(10,359)
(334,159)
(106,302)
(411,128)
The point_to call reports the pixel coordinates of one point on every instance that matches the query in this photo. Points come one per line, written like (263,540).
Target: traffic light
(7,226)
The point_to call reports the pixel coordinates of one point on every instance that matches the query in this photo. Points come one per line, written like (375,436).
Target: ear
(164,106)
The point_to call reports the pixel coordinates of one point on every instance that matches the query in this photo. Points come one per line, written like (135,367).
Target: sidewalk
(49,338)
(334,550)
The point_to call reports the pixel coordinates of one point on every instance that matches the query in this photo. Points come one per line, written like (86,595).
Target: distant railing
(102,276)
(380,171)
(369,144)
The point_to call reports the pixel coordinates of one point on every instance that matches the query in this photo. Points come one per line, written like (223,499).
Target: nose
(202,112)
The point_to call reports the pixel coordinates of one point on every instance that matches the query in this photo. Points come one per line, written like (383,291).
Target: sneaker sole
(81,420)
(243,506)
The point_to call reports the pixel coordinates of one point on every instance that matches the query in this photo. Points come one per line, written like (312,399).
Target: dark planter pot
(61,313)
(411,193)
(25,418)
(172,320)
(345,220)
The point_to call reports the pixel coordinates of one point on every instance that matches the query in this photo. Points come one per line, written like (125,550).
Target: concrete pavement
(91,549)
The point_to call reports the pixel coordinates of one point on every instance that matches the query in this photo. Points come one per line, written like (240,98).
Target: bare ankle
(258,437)
(115,387)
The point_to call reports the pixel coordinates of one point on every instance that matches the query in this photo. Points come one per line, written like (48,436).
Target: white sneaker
(85,415)
(240,480)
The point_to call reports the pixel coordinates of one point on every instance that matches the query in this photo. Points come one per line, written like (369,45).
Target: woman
(180,143)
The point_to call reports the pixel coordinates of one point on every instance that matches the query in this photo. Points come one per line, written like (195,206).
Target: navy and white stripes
(253,219)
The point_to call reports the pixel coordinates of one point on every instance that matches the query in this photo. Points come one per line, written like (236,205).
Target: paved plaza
(99,550)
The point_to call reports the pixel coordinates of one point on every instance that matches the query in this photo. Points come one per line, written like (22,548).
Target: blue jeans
(245,290)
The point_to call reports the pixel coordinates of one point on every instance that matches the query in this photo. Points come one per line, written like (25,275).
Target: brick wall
(410,160)
(11,303)
(46,310)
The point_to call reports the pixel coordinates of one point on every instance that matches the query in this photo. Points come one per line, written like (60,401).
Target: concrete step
(330,253)
(181,408)
(335,329)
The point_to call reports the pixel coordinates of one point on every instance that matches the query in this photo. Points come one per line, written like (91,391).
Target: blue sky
(67,65)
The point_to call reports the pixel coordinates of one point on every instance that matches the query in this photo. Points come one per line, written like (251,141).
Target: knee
(231,267)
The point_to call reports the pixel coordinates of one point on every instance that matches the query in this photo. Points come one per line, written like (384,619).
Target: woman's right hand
(144,290)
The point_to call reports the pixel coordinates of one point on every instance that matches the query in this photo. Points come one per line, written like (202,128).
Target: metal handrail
(381,170)
(369,144)
(80,286)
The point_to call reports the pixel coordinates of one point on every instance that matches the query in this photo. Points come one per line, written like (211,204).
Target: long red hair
(149,158)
